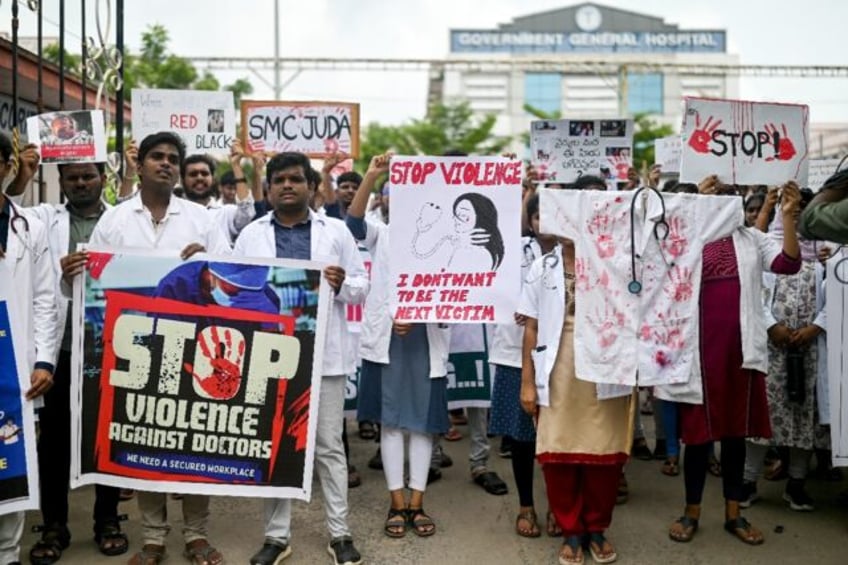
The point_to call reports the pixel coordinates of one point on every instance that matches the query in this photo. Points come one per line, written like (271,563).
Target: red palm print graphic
(701,136)
(676,243)
(225,361)
(621,166)
(679,286)
(608,324)
(600,226)
(785,147)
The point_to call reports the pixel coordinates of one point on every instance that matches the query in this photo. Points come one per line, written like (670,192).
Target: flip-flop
(690,526)
(741,529)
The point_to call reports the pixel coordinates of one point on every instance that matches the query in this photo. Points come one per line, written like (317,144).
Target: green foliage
(72,62)
(539,114)
(645,132)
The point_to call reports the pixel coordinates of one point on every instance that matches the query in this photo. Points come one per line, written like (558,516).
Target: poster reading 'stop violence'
(455,239)
(18,459)
(317,129)
(196,376)
(744,142)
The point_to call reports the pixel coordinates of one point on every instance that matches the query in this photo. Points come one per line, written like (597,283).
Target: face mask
(220,297)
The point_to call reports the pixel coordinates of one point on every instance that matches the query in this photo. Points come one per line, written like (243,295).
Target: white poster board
(77,136)
(563,150)
(837,354)
(204,119)
(819,171)
(455,232)
(667,153)
(744,142)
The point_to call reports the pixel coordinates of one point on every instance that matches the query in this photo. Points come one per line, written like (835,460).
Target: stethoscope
(16,221)
(660,225)
(550,261)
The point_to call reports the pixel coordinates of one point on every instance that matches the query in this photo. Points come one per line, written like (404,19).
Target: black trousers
(54,455)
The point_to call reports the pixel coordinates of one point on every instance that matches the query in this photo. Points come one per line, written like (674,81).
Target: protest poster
(837,354)
(564,150)
(667,152)
(744,142)
(204,119)
(455,232)
(196,376)
(317,129)
(469,375)
(77,136)
(819,171)
(18,457)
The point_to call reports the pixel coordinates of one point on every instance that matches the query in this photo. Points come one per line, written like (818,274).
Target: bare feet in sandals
(527,524)
(551,526)
(149,555)
(199,552)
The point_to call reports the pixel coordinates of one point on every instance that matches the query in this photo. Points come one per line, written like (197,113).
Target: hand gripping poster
(18,459)
(455,224)
(197,376)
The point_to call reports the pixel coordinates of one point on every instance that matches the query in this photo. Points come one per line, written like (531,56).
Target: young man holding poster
(25,266)
(68,224)
(154,219)
(294,231)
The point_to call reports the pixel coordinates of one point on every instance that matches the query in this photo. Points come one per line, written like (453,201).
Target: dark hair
(686,187)
(669,186)
(838,180)
(227,178)
(587,181)
(101,166)
(486,219)
(807,195)
(350,176)
(757,196)
(532,206)
(193,159)
(455,153)
(161,137)
(288,159)
(5,146)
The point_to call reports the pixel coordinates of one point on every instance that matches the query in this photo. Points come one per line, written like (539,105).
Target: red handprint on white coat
(785,147)
(582,281)
(679,286)
(601,227)
(700,139)
(676,242)
(607,323)
(224,357)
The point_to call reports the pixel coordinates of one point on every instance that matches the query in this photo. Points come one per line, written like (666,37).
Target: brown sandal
(529,517)
(551,526)
(149,555)
(671,466)
(742,529)
(199,552)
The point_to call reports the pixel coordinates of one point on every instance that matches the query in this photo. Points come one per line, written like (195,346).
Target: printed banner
(456,222)
(564,150)
(836,306)
(317,129)
(204,119)
(469,374)
(744,142)
(18,457)
(819,171)
(196,376)
(69,137)
(667,152)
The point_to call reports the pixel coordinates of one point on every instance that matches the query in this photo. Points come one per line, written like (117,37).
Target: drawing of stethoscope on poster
(460,235)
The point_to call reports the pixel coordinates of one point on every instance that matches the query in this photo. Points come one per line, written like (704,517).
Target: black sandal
(110,539)
(690,527)
(420,522)
(741,529)
(396,528)
(54,540)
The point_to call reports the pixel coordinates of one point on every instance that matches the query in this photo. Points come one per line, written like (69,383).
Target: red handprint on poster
(218,372)
(785,147)
(699,141)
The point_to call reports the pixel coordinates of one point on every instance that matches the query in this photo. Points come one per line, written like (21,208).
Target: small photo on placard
(215,123)
(581,128)
(613,128)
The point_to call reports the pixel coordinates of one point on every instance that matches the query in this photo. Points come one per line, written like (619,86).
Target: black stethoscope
(16,221)
(660,225)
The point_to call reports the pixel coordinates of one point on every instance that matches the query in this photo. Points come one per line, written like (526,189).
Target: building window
(543,91)
(645,93)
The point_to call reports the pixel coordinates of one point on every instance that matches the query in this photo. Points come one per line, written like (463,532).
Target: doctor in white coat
(293,231)
(25,262)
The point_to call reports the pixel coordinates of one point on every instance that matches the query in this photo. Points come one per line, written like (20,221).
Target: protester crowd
(762,329)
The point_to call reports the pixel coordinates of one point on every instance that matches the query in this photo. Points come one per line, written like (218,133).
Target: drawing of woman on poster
(476,239)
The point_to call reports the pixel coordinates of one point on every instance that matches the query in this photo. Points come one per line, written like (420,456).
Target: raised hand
(790,199)
(785,147)
(131,155)
(379,164)
(332,161)
(701,136)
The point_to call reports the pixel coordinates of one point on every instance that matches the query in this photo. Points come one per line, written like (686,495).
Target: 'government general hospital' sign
(484,41)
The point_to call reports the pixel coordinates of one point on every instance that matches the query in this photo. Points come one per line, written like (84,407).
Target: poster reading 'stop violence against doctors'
(197,376)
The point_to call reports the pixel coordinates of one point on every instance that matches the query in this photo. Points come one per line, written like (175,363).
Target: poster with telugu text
(77,136)
(744,142)
(561,151)
(18,457)
(197,376)
(204,119)
(456,222)
(317,129)
(819,171)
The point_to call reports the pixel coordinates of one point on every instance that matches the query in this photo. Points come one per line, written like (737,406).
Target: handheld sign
(69,137)
(819,171)
(317,129)
(667,153)
(744,142)
(564,150)
(205,120)
(455,239)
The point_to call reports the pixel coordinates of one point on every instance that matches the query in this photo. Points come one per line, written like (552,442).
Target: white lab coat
(30,264)
(543,298)
(377,318)
(332,242)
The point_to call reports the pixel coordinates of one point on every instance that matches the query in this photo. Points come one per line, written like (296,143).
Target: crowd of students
(760,301)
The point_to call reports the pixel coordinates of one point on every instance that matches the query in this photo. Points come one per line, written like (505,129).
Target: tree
(646,130)
(72,62)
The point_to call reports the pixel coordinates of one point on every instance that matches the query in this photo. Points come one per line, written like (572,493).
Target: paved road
(476,528)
